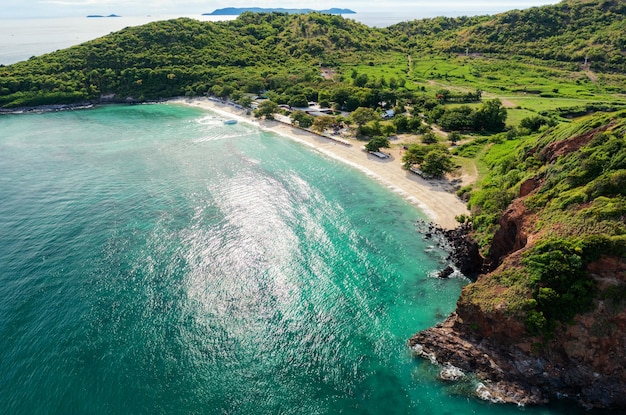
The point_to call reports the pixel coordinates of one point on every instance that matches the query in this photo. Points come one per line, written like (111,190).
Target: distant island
(99,15)
(236,11)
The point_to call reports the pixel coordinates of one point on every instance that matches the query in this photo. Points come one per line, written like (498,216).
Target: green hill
(566,32)
(538,50)
(188,57)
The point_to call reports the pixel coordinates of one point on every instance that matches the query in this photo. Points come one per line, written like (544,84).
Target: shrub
(557,269)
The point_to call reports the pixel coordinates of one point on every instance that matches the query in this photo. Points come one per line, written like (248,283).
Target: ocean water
(22,38)
(156,261)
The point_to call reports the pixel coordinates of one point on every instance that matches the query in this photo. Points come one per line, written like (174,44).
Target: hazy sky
(411,8)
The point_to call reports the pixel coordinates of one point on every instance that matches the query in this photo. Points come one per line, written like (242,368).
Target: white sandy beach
(433,197)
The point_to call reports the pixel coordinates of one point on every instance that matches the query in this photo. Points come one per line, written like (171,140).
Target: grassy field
(525,86)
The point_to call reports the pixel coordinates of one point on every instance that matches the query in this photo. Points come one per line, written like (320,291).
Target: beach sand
(433,197)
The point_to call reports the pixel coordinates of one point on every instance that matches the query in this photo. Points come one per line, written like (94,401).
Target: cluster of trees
(446,96)
(433,160)
(491,116)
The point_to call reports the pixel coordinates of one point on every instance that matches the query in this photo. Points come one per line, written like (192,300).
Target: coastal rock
(464,251)
(448,346)
(446,272)
(450,373)
(583,361)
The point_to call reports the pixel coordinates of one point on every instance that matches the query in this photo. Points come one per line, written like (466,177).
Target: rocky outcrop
(463,250)
(560,148)
(498,377)
(583,359)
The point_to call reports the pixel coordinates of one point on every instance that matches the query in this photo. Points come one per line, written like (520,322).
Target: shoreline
(431,197)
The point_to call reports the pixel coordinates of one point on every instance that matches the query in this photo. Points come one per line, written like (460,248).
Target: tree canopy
(376,143)
(267,109)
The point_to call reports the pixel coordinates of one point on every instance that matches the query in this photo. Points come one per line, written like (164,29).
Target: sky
(412,9)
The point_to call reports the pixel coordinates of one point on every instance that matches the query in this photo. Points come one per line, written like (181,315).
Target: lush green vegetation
(577,214)
(565,33)
(255,53)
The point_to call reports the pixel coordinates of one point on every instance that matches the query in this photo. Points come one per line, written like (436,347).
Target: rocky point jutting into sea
(582,359)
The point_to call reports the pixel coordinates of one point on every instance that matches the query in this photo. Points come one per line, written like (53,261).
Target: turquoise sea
(156,261)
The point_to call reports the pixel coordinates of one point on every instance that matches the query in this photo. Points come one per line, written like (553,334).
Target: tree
(393,83)
(371,129)
(341,96)
(361,80)
(363,115)
(416,153)
(302,119)
(377,143)
(459,118)
(437,163)
(414,124)
(533,124)
(454,137)
(389,129)
(429,138)
(491,116)
(266,109)
(299,100)
(323,122)
(245,101)
(435,114)
(401,122)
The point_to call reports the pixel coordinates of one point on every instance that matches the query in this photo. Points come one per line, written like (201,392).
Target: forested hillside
(188,57)
(566,32)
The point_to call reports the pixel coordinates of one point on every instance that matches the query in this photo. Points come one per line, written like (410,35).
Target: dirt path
(508,104)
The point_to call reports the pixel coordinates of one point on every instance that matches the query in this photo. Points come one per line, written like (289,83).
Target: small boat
(230,122)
